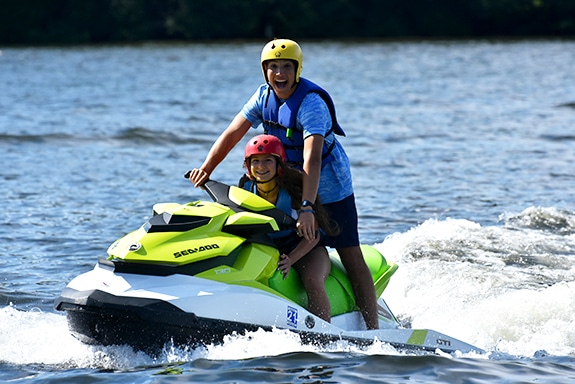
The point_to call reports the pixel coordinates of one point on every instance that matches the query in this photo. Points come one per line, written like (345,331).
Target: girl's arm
(302,249)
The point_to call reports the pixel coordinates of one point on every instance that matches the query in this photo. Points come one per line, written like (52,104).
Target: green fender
(338,286)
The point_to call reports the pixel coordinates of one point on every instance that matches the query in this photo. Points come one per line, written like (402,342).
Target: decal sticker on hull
(292,317)
(190,251)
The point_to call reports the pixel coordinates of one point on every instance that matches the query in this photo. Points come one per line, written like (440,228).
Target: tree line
(109,21)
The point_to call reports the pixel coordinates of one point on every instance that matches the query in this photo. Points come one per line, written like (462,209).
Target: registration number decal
(292,316)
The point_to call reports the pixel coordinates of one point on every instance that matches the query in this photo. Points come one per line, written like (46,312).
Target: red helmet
(264,145)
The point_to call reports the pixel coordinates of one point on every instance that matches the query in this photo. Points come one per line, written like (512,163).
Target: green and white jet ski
(196,272)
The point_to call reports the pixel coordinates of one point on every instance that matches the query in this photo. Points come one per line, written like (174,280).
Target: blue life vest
(284,202)
(279,119)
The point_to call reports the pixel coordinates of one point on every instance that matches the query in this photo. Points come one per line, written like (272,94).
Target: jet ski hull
(146,312)
(145,325)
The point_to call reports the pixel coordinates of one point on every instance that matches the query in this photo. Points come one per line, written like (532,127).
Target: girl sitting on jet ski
(269,177)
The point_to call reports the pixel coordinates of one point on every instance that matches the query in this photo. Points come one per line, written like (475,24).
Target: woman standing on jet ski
(302,115)
(269,177)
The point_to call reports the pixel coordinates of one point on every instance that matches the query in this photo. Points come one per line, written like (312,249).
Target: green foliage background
(105,21)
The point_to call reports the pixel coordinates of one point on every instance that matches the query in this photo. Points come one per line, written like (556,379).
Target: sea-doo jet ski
(196,272)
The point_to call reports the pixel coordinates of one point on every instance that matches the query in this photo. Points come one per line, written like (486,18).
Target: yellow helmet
(284,49)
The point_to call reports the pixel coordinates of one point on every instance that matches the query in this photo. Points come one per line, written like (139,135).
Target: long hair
(291,179)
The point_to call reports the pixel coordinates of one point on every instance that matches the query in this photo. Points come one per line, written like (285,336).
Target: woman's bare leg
(314,269)
(362,283)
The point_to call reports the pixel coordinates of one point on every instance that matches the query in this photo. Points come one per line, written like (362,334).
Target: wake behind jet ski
(196,272)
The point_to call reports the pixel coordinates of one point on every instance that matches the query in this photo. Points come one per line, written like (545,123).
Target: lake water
(462,157)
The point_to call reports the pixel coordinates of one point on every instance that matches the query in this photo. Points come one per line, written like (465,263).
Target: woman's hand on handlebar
(198,176)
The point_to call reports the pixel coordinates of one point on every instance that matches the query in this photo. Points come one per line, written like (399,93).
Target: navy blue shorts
(344,213)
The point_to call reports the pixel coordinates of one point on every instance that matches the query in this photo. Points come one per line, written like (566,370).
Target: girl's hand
(284,265)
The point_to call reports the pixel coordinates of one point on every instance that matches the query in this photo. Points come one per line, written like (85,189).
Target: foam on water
(36,337)
(501,288)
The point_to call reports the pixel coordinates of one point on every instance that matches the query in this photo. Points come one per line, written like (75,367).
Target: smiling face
(263,167)
(281,76)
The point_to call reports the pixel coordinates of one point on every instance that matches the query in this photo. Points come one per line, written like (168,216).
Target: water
(462,158)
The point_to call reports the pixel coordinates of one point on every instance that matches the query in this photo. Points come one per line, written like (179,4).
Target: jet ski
(194,273)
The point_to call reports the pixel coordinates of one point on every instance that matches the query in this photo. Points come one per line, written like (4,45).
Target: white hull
(189,310)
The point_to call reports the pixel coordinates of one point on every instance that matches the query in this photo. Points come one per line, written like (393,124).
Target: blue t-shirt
(313,118)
